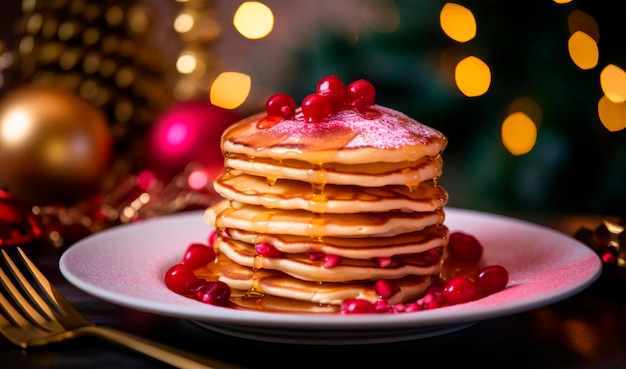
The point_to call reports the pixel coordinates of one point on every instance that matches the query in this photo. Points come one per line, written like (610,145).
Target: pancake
(258,219)
(430,238)
(370,175)
(348,270)
(281,285)
(278,284)
(290,194)
(393,137)
(358,187)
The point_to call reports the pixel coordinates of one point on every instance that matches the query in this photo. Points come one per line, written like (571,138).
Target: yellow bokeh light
(612,115)
(519,133)
(253,20)
(230,90)
(583,50)
(613,83)
(581,21)
(186,63)
(457,22)
(529,107)
(184,23)
(562,1)
(472,76)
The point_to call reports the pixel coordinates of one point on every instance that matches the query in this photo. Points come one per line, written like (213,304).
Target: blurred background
(530,94)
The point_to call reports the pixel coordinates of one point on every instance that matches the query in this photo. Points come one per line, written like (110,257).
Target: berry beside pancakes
(323,201)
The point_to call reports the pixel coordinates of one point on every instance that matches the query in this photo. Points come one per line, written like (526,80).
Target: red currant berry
(267,249)
(214,293)
(212,237)
(492,279)
(316,108)
(329,261)
(315,255)
(459,289)
(333,88)
(383,288)
(198,255)
(464,247)
(281,105)
(198,284)
(180,279)
(356,306)
(360,94)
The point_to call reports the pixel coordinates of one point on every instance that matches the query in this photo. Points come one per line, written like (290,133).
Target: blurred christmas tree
(576,164)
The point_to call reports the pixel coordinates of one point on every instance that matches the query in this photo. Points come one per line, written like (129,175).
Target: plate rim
(208,314)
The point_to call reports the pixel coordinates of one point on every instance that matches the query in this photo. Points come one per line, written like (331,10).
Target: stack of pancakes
(346,202)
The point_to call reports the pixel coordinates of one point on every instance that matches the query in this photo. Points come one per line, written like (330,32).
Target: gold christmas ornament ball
(54,146)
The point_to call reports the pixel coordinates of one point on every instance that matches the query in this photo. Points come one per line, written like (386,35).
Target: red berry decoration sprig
(331,96)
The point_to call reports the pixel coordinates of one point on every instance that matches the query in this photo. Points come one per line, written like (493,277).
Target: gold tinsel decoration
(608,240)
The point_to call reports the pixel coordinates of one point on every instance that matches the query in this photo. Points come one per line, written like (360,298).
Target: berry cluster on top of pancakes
(332,201)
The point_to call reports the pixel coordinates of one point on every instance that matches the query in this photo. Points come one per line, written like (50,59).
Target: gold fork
(35,314)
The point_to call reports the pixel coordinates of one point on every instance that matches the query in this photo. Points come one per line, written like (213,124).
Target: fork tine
(62,308)
(23,324)
(11,315)
(32,307)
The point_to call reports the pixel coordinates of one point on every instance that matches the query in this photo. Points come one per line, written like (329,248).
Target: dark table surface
(587,330)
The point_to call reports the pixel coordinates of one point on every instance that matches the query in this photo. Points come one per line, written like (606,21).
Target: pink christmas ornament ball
(187,132)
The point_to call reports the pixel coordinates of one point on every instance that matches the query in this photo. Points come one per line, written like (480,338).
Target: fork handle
(170,355)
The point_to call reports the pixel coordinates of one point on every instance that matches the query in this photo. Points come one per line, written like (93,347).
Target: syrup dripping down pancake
(369,175)
(290,194)
(278,284)
(430,238)
(258,219)
(348,139)
(348,270)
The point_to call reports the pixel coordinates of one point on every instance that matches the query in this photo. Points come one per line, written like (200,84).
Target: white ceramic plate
(125,265)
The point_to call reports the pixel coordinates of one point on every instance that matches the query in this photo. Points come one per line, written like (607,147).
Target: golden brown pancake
(292,194)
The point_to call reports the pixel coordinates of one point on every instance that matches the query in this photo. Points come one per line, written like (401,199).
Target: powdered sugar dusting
(390,130)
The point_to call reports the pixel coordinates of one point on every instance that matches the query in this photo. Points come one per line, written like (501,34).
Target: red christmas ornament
(18,226)
(188,132)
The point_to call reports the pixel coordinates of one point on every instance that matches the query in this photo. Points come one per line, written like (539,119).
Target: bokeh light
(583,50)
(230,90)
(198,179)
(519,133)
(529,107)
(581,21)
(472,76)
(184,22)
(253,20)
(457,22)
(187,63)
(613,83)
(562,1)
(612,114)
